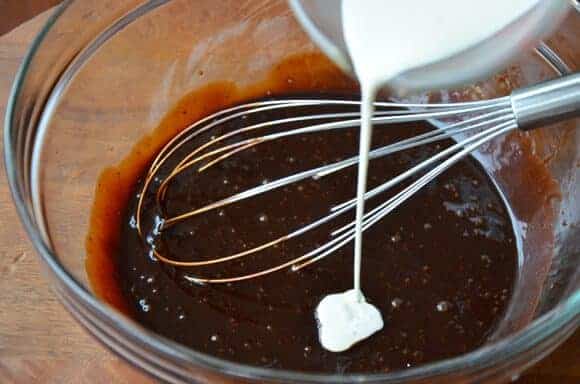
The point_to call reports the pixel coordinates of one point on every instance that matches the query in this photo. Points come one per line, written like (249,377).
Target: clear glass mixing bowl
(101,75)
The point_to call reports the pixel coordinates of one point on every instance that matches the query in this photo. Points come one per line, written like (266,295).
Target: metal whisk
(482,121)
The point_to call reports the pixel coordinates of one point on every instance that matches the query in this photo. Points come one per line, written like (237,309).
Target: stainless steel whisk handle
(547,102)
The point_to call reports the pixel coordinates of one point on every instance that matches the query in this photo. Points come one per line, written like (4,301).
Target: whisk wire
(384,209)
(319,172)
(484,119)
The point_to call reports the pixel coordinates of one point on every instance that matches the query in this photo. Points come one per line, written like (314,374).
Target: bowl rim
(555,325)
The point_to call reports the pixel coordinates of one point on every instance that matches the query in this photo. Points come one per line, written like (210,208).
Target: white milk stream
(386,38)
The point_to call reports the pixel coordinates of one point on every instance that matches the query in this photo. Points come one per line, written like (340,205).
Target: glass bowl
(100,76)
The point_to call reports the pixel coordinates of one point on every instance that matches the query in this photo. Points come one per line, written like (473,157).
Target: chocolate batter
(440,268)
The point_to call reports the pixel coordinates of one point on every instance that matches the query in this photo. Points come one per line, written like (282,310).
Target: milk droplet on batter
(346,318)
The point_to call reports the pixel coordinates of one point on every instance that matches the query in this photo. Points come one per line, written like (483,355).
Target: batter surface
(440,268)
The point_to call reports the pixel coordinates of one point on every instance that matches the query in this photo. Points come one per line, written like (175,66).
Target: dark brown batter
(440,268)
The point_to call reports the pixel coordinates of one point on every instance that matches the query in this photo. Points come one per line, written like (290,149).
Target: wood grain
(41,343)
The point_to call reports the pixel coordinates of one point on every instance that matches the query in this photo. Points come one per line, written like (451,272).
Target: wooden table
(39,340)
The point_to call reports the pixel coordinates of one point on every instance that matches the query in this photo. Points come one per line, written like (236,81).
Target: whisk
(477,122)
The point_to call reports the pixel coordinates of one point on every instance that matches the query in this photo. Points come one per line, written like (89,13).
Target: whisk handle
(547,102)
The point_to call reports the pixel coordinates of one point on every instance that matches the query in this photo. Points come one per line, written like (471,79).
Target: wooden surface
(41,343)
